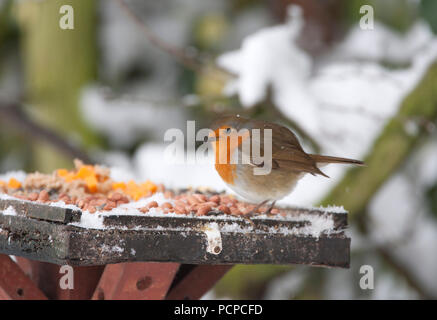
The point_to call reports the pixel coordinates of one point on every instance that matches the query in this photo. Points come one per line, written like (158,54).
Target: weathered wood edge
(41,211)
(189,247)
(67,244)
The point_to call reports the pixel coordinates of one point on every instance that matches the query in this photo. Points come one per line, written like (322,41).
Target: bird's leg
(270,208)
(250,214)
(255,210)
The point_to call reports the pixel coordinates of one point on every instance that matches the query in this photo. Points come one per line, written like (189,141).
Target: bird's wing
(295,160)
(287,153)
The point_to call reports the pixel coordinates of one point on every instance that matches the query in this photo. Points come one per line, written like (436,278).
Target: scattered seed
(200,197)
(167,205)
(33,196)
(43,195)
(144,209)
(215,198)
(203,210)
(180,210)
(152,204)
(223,208)
(192,200)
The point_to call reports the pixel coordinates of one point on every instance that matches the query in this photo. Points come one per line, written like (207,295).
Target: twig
(15,114)
(405,273)
(385,251)
(186,59)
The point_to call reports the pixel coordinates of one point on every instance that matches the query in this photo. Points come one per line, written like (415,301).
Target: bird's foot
(254,211)
(270,208)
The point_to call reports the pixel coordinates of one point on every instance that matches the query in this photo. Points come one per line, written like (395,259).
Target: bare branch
(181,55)
(400,268)
(14,114)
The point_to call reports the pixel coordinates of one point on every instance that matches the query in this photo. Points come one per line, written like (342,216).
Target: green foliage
(428,10)
(5,20)
(248,282)
(431,197)
(58,64)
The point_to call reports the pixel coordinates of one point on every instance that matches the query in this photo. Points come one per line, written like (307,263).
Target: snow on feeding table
(63,234)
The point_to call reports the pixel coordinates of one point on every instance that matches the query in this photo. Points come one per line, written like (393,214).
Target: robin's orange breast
(225,148)
(223,165)
(227,172)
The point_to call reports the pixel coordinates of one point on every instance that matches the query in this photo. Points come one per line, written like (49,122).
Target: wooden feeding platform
(153,256)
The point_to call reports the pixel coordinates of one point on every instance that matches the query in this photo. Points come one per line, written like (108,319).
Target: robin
(288,163)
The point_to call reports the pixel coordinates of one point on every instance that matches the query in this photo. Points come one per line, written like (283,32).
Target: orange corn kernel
(84,172)
(14,183)
(67,175)
(62,172)
(119,185)
(91,182)
(149,186)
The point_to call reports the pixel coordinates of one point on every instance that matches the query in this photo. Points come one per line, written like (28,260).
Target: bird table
(153,257)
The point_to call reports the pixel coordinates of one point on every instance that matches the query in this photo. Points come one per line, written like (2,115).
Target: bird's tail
(319,159)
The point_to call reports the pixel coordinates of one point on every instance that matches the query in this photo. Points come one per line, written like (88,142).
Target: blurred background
(107,90)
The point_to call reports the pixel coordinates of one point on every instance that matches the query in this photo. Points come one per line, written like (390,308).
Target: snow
(132,118)
(384,44)
(115,248)
(9,211)
(59,204)
(318,224)
(269,50)
(62,204)
(4,196)
(19,175)
(90,221)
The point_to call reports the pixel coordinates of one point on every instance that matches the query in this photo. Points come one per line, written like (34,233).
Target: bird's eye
(228,130)
(205,139)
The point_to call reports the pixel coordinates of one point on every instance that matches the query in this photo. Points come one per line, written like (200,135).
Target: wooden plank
(195,281)
(47,277)
(14,284)
(33,239)
(181,239)
(135,281)
(41,211)
(92,247)
(192,221)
